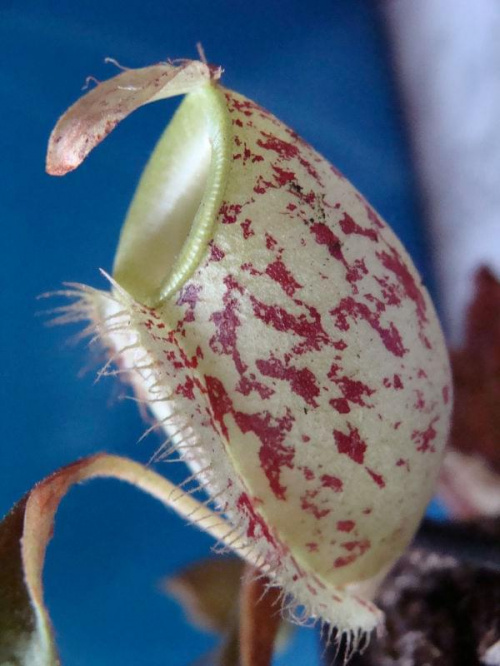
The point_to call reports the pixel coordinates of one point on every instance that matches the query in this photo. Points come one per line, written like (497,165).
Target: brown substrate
(439,612)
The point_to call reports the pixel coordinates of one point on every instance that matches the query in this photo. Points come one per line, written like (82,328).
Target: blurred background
(332,70)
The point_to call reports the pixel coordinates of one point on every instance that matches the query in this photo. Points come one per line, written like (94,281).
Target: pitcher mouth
(171,218)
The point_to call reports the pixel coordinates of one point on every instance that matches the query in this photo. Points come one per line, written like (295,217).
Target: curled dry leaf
(281,335)
(26,637)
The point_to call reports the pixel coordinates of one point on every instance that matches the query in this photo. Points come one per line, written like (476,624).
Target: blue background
(322,67)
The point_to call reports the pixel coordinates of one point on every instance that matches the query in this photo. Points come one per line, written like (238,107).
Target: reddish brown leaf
(260,620)
(476,372)
(469,481)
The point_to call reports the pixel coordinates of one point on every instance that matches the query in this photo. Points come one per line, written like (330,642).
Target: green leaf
(25,632)
(26,636)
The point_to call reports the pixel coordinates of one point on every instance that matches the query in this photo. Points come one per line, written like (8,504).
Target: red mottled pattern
(345,525)
(424,438)
(216,254)
(278,272)
(350,444)
(329,481)
(355,550)
(353,391)
(308,504)
(378,478)
(348,308)
(246,226)
(299,361)
(349,226)
(302,381)
(271,432)
(299,347)
(256,525)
